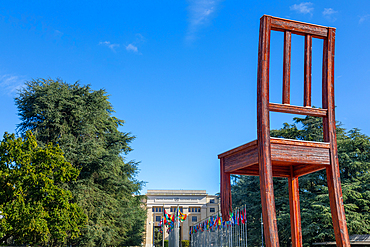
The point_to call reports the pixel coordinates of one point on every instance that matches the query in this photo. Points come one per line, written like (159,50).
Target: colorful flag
(245,215)
(238,217)
(182,217)
(242,217)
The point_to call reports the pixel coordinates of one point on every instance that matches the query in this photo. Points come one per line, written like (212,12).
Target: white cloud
(304,8)
(329,11)
(363,18)
(111,46)
(131,47)
(11,83)
(200,14)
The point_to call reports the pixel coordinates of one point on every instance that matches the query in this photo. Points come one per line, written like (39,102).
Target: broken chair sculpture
(269,157)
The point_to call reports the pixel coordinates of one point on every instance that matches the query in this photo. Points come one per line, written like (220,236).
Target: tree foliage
(80,120)
(354,161)
(35,207)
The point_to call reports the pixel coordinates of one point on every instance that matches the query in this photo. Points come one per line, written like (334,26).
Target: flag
(245,215)
(242,217)
(183,217)
(167,218)
(238,217)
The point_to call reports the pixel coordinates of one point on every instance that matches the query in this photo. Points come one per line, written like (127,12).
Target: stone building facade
(196,204)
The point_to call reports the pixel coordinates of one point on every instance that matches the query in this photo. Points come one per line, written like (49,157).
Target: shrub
(185,243)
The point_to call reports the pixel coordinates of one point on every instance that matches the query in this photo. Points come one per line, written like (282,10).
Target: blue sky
(182,74)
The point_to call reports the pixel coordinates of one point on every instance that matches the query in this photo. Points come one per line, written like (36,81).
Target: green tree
(158,237)
(354,160)
(36,209)
(80,120)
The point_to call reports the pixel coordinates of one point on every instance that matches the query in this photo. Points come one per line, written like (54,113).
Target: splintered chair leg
(295,211)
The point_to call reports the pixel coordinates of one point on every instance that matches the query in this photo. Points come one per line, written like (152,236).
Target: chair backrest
(309,31)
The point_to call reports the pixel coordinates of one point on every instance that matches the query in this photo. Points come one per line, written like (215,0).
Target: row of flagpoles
(210,230)
(239,216)
(214,231)
(171,220)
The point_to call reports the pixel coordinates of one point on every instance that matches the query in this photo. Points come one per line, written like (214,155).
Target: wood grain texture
(300,28)
(263,136)
(225,192)
(286,66)
(246,146)
(296,154)
(253,170)
(275,140)
(332,172)
(241,159)
(307,70)
(301,170)
(295,210)
(284,152)
(309,111)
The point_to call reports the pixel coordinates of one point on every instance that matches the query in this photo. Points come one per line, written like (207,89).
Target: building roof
(176,192)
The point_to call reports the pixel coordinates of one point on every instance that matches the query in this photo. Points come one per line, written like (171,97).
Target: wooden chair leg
(336,206)
(332,172)
(268,207)
(295,211)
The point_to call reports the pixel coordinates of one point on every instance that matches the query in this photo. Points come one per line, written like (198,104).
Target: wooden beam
(307,169)
(295,210)
(263,136)
(296,154)
(300,28)
(225,191)
(307,70)
(286,67)
(309,111)
(332,172)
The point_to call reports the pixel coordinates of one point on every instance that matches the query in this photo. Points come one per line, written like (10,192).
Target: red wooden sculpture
(274,157)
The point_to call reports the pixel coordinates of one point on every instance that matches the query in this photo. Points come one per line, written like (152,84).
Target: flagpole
(246,226)
(163,228)
(262,229)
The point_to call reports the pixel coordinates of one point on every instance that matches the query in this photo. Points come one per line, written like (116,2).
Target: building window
(157,209)
(194,210)
(157,218)
(212,210)
(212,201)
(194,218)
(175,209)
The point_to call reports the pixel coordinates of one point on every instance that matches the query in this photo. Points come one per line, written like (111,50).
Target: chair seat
(289,157)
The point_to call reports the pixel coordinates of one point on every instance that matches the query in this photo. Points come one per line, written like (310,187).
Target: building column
(149,228)
(185,224)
